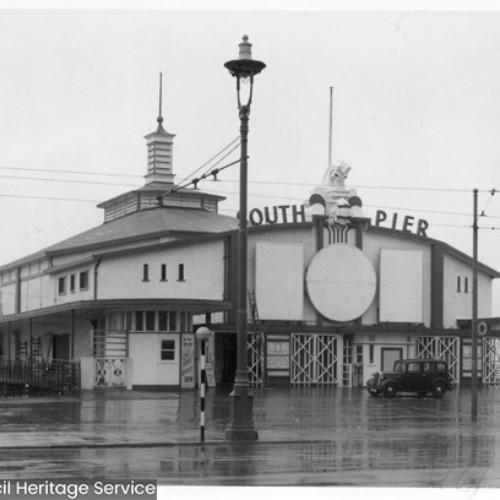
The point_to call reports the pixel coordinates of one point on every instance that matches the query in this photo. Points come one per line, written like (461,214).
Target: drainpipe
(96,267)
(18,290)
(10,340)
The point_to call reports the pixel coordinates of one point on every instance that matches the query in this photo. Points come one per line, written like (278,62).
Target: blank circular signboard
(341,282)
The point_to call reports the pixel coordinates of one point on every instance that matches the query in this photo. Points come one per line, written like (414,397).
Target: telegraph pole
(474,332)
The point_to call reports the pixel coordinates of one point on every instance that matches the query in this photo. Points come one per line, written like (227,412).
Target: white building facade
(333,296)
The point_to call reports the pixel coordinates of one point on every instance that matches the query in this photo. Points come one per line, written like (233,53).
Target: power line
(360,186)
(31,197)
(60,171)
(66,181)
(262,182)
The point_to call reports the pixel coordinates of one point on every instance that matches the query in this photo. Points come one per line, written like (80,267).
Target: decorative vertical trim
(72,336)
(358,226)
(437,286)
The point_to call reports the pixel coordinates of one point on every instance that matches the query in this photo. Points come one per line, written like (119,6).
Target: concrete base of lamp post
(241,427)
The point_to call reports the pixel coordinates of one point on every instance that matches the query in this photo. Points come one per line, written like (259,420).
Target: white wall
(372,245)
(148,368)
(459,304)
(280,281)
(401,286)
(122,277)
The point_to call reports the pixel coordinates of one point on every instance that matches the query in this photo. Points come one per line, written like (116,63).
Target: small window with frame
(181,273)
(84,280)
(167,352)
(61,285)
(163,274)
(72,283)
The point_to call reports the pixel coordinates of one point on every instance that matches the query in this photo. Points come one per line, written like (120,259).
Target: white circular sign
(341,282)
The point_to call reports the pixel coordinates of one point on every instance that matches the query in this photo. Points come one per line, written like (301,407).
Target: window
(139,321)
(181,272)
(163,272)
(183,323)
(440,367)
(145,272)
(172,317)
(429,367)
(62,285)
(72,281)
(163,321)
(372,354)
(413,367)
(150,321)
(459,286)
(466,285)
(168,350)
(84,280)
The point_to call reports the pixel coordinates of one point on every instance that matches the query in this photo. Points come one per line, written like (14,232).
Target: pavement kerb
(78,446)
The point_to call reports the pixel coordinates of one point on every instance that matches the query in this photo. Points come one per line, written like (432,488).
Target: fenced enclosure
(33,376)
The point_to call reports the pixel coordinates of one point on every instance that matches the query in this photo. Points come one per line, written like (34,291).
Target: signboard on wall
(187,361)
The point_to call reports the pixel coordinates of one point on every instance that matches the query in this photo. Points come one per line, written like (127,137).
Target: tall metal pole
(241,379)
(330,139)
(474,332)
(241,426)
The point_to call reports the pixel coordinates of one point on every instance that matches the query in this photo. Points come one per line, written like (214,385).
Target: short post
(203,334)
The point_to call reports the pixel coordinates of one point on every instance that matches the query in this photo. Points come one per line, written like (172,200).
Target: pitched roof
(153,222)
(142,225)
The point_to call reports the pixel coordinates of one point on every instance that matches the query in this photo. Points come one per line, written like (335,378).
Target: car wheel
(390,390)
(438,390)
(421,394)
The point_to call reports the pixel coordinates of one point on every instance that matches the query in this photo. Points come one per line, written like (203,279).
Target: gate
(110,358)
(445,348)
(314,359)
(491,361)
(255,359)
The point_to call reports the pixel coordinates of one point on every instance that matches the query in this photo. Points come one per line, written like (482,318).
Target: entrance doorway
(226,345)
(389,355)
(60,346)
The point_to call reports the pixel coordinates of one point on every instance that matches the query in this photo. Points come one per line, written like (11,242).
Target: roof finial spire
(160,117)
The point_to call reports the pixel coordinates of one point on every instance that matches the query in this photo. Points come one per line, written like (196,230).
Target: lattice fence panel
(445,348)
(491,361)
(314,359)
(255,359)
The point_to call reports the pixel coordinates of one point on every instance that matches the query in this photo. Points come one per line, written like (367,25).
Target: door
(389,355)
(60,346)
(228,348)
(412,380)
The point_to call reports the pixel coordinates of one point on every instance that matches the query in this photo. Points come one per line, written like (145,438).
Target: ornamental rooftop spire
(160,150)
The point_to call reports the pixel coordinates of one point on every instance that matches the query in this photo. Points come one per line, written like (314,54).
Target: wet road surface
(307,436)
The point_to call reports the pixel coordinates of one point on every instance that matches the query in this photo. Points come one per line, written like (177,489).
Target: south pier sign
(292,214)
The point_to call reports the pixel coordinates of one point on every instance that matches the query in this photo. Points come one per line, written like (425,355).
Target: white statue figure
(336,174)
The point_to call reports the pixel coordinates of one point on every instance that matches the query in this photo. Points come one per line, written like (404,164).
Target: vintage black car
(421,376)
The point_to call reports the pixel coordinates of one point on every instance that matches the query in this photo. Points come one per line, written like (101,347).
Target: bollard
(203,334)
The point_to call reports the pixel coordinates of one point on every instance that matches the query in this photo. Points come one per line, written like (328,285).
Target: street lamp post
(241,425)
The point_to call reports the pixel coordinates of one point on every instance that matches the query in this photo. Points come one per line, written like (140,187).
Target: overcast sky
(416,105)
